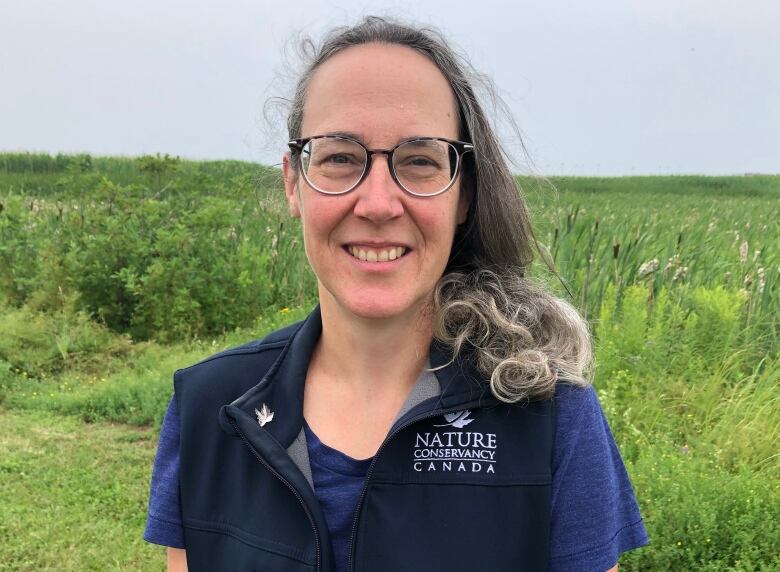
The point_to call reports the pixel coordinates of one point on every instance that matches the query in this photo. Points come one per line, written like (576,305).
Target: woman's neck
(360,374)
(372,355)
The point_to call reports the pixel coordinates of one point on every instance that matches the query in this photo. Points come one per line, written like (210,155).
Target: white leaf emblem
(458,419)
(265,415)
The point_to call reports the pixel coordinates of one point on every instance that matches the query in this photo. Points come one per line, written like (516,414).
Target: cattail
(648,268)
(743,252)
(761,280)
(680,273)
(673,262)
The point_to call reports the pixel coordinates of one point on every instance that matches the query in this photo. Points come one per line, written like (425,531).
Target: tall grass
(213,241)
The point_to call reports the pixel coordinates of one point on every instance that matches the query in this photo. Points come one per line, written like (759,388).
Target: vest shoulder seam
(242,350)
(235,352)
(253,347)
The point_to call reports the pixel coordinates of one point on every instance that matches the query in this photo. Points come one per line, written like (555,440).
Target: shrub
(699,518)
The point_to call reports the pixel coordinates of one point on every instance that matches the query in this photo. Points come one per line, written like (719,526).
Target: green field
(116,271)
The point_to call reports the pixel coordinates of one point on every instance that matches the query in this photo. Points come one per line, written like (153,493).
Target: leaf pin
(265,415)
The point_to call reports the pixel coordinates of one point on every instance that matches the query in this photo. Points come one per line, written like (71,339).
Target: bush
(700,518)
(41,345)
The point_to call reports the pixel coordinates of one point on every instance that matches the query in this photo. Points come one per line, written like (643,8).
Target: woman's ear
(464,202)
(291,186)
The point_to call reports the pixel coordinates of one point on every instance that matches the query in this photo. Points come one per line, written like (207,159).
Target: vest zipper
(289,486)
(390,437)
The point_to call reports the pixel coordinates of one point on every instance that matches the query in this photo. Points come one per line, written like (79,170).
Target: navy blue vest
(461,483)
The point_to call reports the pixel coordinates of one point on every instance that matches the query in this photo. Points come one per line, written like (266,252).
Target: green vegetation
(114,272)
(71,494)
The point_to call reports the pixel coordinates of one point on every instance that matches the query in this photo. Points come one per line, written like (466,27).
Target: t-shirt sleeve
(595,516)
(163,520)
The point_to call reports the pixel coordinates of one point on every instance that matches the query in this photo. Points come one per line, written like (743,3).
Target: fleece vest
(461,483)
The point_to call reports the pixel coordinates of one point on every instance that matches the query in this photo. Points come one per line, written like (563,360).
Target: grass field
(115,272)
(70,494)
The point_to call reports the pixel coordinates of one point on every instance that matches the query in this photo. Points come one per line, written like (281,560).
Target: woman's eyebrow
(358,137)
(420,141)
(349,134)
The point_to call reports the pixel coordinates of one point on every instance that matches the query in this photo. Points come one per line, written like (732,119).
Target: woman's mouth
(376,254)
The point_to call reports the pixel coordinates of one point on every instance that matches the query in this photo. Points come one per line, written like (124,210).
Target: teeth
(370,255)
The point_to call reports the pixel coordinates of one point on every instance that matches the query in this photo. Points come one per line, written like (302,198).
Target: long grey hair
(521,337)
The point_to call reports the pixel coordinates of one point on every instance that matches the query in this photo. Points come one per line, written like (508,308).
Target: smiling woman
(432,413)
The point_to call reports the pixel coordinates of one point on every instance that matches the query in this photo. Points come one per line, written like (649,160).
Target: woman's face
(381,94)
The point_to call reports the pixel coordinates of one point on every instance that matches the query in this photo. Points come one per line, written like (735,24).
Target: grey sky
(598,87)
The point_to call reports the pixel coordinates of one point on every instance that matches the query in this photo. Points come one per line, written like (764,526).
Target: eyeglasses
(423,167)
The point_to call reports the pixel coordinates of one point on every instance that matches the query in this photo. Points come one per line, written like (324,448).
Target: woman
(432,413)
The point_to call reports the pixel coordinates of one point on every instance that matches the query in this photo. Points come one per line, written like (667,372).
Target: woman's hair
(520,336)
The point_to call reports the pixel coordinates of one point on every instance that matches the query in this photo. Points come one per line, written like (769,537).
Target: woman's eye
(420,161)
(339,159)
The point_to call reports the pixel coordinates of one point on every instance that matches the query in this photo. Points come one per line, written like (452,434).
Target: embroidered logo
(265,415)
(455,451)
(459,419)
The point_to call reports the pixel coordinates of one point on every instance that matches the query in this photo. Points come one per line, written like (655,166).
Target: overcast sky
(598,87)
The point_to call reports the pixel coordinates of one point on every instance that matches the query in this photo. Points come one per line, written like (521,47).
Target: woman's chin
(377,309)
(376,306)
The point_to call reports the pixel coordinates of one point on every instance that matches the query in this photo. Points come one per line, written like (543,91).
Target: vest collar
(281,389)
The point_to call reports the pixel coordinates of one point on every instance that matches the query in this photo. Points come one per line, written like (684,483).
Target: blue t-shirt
(338,481)
(594,517)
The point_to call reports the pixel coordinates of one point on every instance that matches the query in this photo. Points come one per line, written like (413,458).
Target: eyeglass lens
(422,167)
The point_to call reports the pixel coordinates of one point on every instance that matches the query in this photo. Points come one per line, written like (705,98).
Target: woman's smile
(376,253)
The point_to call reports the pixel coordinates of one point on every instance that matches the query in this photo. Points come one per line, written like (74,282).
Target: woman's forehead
(377,90)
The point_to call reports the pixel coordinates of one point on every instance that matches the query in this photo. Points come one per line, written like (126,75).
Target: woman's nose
(379,198)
